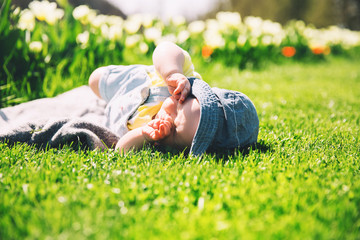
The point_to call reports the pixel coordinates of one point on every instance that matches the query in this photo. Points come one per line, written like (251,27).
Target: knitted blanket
(75,118)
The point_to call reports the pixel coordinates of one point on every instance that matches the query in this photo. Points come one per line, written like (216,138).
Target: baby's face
(184,118)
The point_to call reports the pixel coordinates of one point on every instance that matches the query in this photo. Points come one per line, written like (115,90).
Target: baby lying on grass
(169,104)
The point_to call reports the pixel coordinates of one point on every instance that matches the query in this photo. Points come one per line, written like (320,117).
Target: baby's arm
(134,139)
(168,59)
(155,130)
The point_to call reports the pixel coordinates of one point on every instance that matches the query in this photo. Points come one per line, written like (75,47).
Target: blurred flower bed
(49,41)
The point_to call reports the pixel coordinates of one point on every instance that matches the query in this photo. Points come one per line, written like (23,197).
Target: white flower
(213,39)
(229,19)
(266,40)
(104,29)
(132,40)
(201,203)
(152,34)
(241,40)
(253,23)
(116,190)
(25,188)
(115,32)
(41,9)
(196,27)
(276,40)
(310,33)
(144,48)
(47,58)
(213,25)
(54,16)
(114,20)
(334,35)
(35,46)
(183,36)
(300,25)
(83,38)
(80,12)
(46,11)
(62,199)
(84,14)
(271,28)
(132,26)
(98,20)
(27,20)
(350,38)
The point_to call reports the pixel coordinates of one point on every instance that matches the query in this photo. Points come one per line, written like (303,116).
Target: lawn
(301,181)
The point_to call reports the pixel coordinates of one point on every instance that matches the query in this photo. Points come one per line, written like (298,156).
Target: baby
(169,104)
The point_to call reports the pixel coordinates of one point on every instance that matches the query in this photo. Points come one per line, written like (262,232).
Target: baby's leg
(94,80)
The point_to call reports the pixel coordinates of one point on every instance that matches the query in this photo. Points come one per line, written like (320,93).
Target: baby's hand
(157,129)
(179,86)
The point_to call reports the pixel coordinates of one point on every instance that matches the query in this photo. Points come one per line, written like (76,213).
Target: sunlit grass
(301,182)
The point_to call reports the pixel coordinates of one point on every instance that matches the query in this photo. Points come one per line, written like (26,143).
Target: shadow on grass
(226,155)
(223,155)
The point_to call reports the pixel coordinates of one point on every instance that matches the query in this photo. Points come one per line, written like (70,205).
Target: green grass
(301,182)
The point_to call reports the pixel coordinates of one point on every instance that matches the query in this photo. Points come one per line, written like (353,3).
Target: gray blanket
(74,118)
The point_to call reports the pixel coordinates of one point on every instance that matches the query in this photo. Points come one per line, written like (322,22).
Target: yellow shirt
(147,111)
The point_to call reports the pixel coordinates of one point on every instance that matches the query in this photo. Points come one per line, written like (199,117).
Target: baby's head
(210,119)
